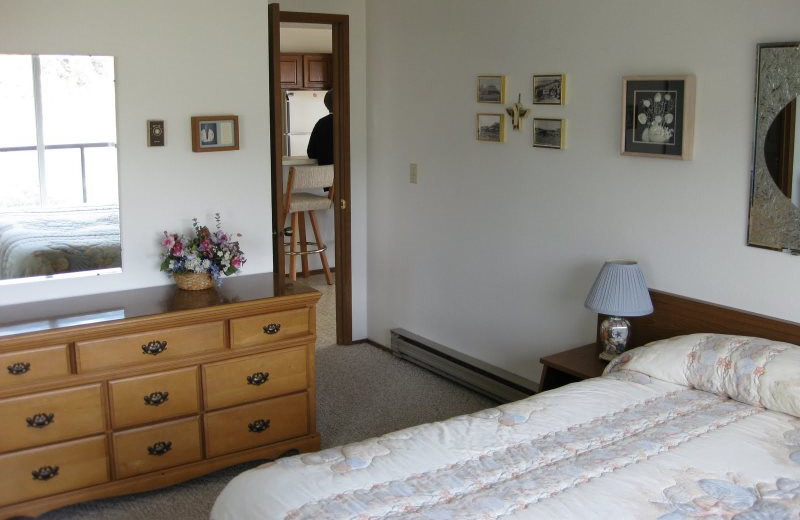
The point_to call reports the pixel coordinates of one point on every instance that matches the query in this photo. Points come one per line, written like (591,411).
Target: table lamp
(619,291)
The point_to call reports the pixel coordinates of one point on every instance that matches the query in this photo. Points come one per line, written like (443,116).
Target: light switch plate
(413,173)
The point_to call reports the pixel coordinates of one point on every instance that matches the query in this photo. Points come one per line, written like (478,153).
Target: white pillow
(755,371)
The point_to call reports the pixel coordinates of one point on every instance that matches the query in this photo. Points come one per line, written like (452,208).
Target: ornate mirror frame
(774,222)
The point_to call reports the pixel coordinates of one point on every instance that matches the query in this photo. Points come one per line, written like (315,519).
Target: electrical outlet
(413,173)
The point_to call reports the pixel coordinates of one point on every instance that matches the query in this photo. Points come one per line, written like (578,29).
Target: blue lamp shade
(620,290)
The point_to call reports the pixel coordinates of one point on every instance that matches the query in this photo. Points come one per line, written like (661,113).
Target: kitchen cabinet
(306,71)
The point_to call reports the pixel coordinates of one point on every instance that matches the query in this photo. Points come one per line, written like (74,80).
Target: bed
(701,425)
(39,242)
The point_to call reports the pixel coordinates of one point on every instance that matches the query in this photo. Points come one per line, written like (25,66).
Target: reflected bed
(40,242)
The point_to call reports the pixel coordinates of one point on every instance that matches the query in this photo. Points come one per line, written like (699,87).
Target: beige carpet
(326,309)
(362,391)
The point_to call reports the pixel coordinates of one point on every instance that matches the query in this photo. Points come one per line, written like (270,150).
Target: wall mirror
(775,193)
(59,202)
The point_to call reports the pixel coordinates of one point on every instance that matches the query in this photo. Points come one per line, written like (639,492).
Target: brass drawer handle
(258,426)
(259,378)
(160,448)
(45,473)
(17,369)
(272,328)
(156,398)
(154,348)
(40,420)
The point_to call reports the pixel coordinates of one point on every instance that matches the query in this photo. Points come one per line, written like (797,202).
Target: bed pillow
(755,371)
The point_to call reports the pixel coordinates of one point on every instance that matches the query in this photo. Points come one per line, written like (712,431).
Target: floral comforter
(700,426)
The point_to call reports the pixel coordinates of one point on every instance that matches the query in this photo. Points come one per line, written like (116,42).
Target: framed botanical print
(658,116)
(491,127)
(492,89)
(548,133)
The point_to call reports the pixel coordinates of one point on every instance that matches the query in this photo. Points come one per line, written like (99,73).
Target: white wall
(495,249)
(174,60)
(306,38)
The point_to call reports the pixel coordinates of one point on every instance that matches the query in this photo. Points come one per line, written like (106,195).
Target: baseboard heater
(492,381)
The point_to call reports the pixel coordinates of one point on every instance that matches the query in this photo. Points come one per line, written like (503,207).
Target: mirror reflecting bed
(59,203)
(775,196)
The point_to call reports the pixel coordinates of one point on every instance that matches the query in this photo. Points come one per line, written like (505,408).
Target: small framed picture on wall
(492,89)
(215,133)
(658,116)
(548,133)
(491,127)
(549,89)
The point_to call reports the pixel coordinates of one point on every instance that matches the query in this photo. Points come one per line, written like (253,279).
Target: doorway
(339,81)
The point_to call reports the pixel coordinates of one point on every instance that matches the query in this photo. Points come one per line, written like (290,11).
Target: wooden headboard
(675,315)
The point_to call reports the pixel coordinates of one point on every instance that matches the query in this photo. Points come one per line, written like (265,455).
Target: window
(58,137)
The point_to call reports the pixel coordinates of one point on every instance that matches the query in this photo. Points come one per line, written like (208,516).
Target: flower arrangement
(656,114)
(214,253)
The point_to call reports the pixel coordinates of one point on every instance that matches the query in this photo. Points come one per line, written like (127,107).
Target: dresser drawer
(156,447)
(255,377)
(29,474)
(269,328)
(37,419)
(149,347)
(256,424)
(24,366)
(150,398)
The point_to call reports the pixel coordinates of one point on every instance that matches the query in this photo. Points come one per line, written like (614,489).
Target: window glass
(78,99)
(19,178)
(63,181)
(16,100)
(101,188)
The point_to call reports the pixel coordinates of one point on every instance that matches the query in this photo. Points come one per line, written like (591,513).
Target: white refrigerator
(301,111)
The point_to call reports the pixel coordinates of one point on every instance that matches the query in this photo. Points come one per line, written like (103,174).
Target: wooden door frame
(341,157)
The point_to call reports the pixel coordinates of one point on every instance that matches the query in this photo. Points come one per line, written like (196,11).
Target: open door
(341,153)
(276,148)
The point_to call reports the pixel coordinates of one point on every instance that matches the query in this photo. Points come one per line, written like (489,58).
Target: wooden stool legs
(293,248)
(303,244)
(320,244)
(299,241)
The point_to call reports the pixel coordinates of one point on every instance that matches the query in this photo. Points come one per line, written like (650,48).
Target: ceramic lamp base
(614,333)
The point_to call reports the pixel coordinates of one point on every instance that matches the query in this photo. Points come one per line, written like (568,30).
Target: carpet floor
(362,392)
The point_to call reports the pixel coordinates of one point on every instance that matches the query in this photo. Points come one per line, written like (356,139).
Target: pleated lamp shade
(620,290)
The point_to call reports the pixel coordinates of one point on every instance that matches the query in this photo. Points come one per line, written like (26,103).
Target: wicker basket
(193,281)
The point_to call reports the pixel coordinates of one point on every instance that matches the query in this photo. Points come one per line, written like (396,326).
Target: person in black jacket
(320,144)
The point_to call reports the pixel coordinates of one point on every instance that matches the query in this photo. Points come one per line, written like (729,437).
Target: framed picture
(549,89)
(549,133)
(658,116)
(215,133)
(491,127)
(492,89)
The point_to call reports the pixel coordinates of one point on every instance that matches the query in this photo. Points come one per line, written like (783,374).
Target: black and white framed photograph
(215,133)
(491,127)
(548,133)
(658,116)
(549,89)
(492,89)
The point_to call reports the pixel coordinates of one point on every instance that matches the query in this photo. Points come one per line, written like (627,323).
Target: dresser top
(135,303)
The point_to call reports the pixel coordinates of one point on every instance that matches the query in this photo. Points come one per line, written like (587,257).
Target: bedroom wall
(174,60)
(495,249)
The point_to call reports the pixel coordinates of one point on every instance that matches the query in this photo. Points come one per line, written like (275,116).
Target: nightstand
(571,366)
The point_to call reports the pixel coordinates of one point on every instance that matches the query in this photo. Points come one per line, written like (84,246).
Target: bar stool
(297,204)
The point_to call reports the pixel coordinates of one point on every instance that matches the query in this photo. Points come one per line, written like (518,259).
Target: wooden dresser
(130,391)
